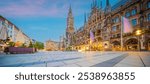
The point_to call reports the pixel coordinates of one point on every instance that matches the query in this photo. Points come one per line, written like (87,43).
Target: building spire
(108,7)
(107,3)
(84,18)
(70,27)
(70,10)
(101,5)
(95,3)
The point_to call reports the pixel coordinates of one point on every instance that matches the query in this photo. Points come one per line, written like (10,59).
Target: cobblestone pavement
(76,59)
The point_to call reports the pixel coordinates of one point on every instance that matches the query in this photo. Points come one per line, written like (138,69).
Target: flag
(91,37)
(127,27)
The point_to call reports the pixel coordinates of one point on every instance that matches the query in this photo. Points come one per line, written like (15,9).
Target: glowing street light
(138,33)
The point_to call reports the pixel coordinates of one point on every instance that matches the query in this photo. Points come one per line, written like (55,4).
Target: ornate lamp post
(138,33)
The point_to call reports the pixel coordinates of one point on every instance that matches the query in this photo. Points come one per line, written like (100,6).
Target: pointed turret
(107,3)
(108,7)
(101,5)
(84,18)
(70,27)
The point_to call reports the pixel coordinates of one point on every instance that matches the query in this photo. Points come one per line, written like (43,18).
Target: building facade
(69,29)
(106,25)
(11,31)
(51,45)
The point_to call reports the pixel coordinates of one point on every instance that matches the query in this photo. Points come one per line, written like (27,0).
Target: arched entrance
(131,44)
(116,46)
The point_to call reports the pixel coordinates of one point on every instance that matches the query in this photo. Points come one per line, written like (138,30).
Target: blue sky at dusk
(45,19)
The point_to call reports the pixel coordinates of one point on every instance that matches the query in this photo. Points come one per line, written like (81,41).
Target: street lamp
(138,33)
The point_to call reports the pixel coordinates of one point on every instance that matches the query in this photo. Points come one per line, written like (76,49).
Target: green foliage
(39,45)
(11,44)
(23,45)
(31,45)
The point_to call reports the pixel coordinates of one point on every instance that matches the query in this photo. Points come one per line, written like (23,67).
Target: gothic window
(114,28)
(127,14)
(134,22)
(115,20)
(118,35)
(149,17)
(113,36)
(99,26)
(134,11)
(148,4)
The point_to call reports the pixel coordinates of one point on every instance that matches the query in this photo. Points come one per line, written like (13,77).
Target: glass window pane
(149,17)
(134,11)
(134,22)
(127,14)
(114,28)
(148,5)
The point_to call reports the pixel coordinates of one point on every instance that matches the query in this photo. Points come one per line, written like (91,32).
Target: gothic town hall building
(106,25)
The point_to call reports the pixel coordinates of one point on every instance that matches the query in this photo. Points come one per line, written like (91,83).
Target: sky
(44,20)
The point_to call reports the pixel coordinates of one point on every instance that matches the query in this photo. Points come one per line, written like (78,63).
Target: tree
(23,45)
(39,45)
(31,45)
(11,44)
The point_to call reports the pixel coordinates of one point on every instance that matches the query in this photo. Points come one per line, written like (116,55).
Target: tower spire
(107,3)
(70,10)
(70,27)
(95,3)
(108,7)
(84,18)
(101,5)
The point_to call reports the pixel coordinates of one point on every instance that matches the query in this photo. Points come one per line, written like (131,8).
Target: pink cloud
(32,9)
(55,8)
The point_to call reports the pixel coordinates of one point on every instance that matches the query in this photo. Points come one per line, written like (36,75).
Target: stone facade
(106,26)
(51,45)
(69,29)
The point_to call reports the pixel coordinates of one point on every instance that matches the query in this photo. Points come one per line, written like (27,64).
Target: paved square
(76,59)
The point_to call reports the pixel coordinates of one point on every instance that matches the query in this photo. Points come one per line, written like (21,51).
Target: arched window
(149,17)
(99,26)
(134,22)
(114,28)
(134,11)
(148,4)
(127,14)
(115,20)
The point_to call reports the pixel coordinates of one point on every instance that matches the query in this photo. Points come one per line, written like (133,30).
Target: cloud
(32,8)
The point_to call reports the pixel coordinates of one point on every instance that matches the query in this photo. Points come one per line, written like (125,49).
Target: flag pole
(121,33)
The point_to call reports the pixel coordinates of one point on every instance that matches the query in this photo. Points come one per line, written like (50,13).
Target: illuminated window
(134,11)
(134,22)
(127,14)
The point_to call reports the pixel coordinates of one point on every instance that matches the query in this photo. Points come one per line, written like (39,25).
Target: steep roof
(119,4)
